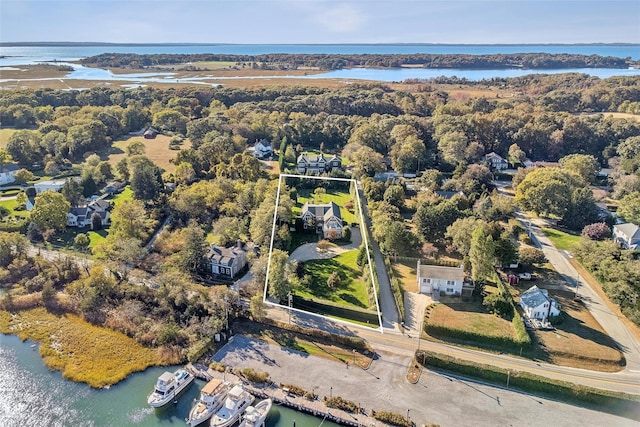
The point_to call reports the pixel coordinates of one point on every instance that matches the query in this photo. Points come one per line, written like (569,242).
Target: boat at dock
(235,404)
(168,387)
(255,416)
(212,396)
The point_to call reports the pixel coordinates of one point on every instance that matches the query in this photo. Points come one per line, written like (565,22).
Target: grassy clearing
(562,240)
(214,65)
(5,134)
(157,150)
(81,351)
(352,290)
(405,271)
(10,205)
(471,317)
(125,194)
(302,343)
(336,196)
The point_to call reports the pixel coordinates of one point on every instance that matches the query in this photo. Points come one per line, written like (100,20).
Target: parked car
(525,276)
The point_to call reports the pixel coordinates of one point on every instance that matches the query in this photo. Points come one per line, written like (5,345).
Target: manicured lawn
(65,239)
(352,290)
(405,271)
(10,205)
(337,196)
(562,240)
(125,194)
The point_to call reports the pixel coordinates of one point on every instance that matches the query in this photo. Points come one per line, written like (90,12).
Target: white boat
(236,402)
(254,416)
(212,397)
(168,387)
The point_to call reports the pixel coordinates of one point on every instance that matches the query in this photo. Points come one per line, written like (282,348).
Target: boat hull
(156,401)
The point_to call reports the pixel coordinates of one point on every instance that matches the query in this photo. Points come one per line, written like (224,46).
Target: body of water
(12,56)
(34,395)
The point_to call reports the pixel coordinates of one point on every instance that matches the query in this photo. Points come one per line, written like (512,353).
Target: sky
(321,21)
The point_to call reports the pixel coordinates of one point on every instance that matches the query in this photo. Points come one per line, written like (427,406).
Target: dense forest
(532,61)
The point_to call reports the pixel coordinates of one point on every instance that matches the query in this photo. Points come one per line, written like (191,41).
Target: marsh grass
(81,351)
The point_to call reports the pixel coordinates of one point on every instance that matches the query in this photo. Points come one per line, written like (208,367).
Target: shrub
(340,403)
(294,389)
(391,418)
(498,305)
(254,376)
(530,256)
(597,231)
(346,234)
(217,366)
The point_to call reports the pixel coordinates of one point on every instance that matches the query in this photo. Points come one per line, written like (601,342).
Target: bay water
(33,395)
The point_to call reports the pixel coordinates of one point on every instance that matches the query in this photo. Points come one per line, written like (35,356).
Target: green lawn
(10,205)
(126,194)
(337,196)
(562,240)
(352,290)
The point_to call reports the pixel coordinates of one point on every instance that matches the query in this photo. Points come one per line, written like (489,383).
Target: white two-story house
(537,304)
(440,279)
(316,164)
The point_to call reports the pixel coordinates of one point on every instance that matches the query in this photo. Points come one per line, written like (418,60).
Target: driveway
(436,398)
(310,251)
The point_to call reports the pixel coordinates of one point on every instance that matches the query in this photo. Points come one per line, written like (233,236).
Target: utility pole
(290,305)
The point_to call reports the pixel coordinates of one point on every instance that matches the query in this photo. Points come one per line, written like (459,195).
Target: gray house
(324,218)
(627,235)
(316,164)
(227,262)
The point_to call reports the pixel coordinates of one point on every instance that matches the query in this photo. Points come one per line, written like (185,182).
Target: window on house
(450,282)
(449,290)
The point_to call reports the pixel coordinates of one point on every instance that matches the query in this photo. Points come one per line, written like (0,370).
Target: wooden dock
(281,397)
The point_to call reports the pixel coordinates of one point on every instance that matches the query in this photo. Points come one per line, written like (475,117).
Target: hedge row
(392,418)
(498,341)
(328,308)
(602,400)
(396,288)
(516,320)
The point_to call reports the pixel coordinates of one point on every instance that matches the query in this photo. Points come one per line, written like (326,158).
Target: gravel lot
(436,398)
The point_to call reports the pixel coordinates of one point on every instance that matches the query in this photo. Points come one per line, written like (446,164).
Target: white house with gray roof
(324,218)
(537,304)
(436,279)
(227,262)
(7,172)
(627,235)
(316,164)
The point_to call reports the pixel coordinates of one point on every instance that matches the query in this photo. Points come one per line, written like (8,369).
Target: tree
(452,147)
(394,195)
(584,165)
(146,180)
(81,242)
(481,254)
(258,307)
(135,148)
(191,258)
(432,220)
(129,219)
(96,221)
(629,208)
(170,120)
(229,229)
(122,167)
(22,176)
(34,233)
(498,304)
(279,284)
(72,191)
(530,256)
(365,161)
(506,250)
(596,231)
(398,240)
(50,211)
(582,209)
(184,173)
(89,186)
(547,191)
(516,155)
(460,233)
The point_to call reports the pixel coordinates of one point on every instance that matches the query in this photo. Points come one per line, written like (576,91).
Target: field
(336,196)
(5,134)
(561,240)
(405,271)
(351,291)
(10,205)
(157,150)
(73,346)
(471,317)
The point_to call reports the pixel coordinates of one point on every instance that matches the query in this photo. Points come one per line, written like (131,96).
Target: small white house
(537,304)
(440,279)
(262,149)
(6,173)
(496,161)
(627,235)
(50,184)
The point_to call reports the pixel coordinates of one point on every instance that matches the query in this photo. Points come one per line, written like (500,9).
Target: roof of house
(441,272)
(264,142)
(534,297)
(449,194)
(629,229)
(50,182)
(79,211)
(100,204)
(494,155)
(324,211)
(9,168)
(311,158)
(224,256)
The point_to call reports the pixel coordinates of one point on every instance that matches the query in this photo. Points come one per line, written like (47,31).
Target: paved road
(626,341)
(436,398)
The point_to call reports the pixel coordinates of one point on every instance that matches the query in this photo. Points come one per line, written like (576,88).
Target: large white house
(537,304)
(6,173)
(440,279)
(627,235)
(496,161)
(81,216)
(324,218)
(262,149)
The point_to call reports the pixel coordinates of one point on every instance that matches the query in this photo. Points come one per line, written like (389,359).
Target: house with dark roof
(436,279)
(627,235)
(325,219)
(7,172)
(316,164)
(227,262)
(81,216)
(150,133)
(537,304)
(262,149)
